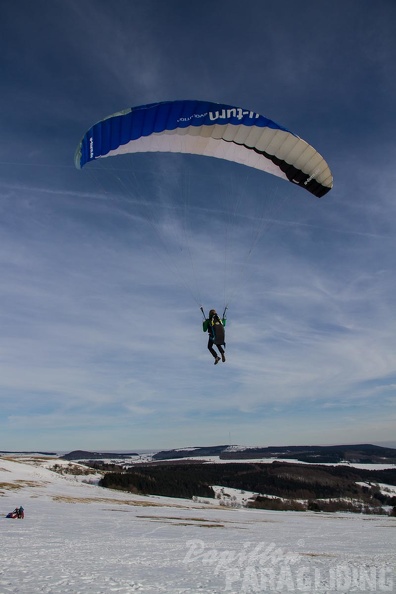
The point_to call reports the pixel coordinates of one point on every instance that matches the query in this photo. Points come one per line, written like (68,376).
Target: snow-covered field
(80,538)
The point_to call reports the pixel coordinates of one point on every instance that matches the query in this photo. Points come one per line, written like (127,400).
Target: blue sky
(103,270)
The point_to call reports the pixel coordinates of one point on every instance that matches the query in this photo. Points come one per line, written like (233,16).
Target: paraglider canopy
(210,129)
(190,217)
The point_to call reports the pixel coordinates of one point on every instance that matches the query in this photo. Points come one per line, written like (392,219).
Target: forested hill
(281,485)
(194,452)
(359,453)
(83,455)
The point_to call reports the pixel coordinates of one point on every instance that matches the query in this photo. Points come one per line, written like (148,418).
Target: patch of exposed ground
(19,484)
(315,554)
(176,521)
(137,503)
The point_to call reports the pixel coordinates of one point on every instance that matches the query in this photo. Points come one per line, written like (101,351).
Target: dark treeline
(370,506)
(362,453)
(285,480)
(159,480)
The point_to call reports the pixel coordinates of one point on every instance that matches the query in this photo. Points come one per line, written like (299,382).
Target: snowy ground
(80,538)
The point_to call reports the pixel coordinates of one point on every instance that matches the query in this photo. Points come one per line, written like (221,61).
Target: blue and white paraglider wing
(209,129)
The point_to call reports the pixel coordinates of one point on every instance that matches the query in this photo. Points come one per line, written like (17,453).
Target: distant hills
(193,452)
(83,455)
(332,478)
(360,453)
(335,454)
(28,453)
(273,485)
